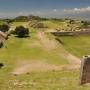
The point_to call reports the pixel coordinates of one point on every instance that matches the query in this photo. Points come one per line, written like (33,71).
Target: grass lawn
(18,49)
(62,80)
(77,45)
(54,25)
(18,23)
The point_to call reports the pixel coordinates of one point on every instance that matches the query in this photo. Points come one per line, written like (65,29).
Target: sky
(45,8)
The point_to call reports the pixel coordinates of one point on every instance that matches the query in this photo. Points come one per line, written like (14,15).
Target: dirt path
(51,44)
(73,60)
(45,41)
(24,67)
(50,30)
(33,67)
(38,66)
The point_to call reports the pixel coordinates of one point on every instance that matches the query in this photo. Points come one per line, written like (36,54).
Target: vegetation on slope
(77,45)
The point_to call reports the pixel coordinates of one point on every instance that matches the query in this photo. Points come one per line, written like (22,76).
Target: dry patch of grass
(24,67)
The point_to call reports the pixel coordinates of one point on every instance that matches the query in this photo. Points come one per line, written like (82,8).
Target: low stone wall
(71,33)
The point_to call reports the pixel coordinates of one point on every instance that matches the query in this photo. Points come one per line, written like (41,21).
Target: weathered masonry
(71,33)
(85,70)
(3,37)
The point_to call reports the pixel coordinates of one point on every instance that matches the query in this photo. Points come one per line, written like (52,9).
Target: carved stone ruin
(85,70)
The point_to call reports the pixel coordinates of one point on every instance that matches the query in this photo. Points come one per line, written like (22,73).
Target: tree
(21,19)
(21,31)
(85,25)
(32,17)
(4,28)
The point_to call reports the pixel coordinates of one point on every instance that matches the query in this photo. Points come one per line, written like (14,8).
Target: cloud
(13,14)
(21,13)
(77,10)
(55,10)
(38,12)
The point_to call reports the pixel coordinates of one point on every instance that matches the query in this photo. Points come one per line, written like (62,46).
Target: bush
(4,28)
(21,19)
(21,31)
(12,32)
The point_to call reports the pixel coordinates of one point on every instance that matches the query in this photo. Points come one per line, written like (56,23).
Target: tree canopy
(21,31)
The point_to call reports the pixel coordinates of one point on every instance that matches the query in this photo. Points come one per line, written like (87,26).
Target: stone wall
(85,70)
(71,33)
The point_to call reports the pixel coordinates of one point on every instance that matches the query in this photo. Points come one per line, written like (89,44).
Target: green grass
(64,80)
(77,45)
(19,49)
(18,23)
(51,24)
(1,22)
(16,49)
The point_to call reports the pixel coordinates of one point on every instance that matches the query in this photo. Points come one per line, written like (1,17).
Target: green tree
(21,31)
(4,28)
(21,19)
(85,24)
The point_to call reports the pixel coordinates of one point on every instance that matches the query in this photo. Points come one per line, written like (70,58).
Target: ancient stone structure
(85,70)
(71,33)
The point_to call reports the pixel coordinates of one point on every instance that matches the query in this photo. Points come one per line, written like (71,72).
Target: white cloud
(78,10)
(21,13)
(38,12)
(55,10)
(32,13)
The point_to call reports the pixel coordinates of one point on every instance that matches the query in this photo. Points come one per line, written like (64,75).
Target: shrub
(21,19)
(21,31)
(4,28)
(12,32)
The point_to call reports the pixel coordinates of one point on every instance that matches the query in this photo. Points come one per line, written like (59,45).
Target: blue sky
(45,8)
